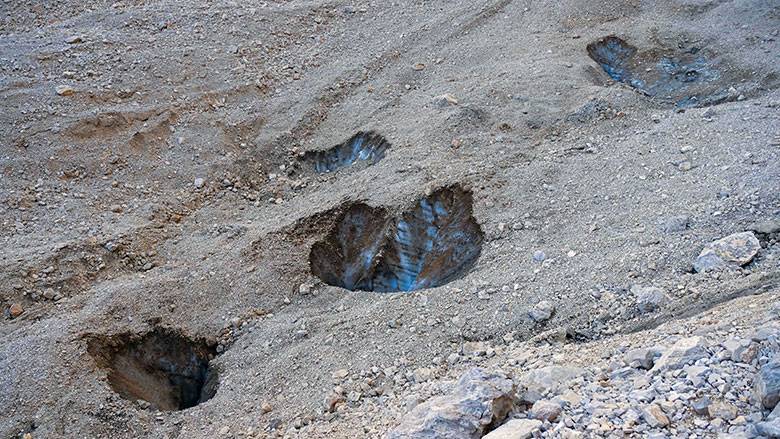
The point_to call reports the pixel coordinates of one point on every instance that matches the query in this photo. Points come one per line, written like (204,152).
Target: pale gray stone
(480,398)
(515,429)
(685,351)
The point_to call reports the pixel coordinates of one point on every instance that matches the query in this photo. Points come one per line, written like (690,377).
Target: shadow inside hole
(430,245)
(367,147)
(685,78)
(163,368)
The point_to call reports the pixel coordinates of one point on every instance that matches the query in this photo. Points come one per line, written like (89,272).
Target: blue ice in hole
(367,147)
(432,244)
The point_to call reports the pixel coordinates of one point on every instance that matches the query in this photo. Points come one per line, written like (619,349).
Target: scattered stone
(655,416)
(544,410)
(445,100)
(423,374)
(305,289)
(767,383)
(15,310)
(475,348)
(649,299)
(769,428)
(685,166)
(550,379)
(701,406)
(539,256)
(116,208)
(775,414)
(480,399)
(332,400)
(65,90)
(542,311)
(199,183)
(642,358)
(732,251)
(722,410)
(340,374)
(766,227)
(265,407)
(75,39)
(685,351)
(740,350)
(516,429)
(675,224)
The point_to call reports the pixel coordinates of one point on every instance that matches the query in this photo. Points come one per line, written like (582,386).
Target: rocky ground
(158,210)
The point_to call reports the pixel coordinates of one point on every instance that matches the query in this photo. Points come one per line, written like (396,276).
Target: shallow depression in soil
(367,147)
(430,245)
(685,77)
(163,368)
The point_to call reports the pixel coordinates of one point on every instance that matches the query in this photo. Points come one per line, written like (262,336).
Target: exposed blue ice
(671,78)
(427,246)
(366,147)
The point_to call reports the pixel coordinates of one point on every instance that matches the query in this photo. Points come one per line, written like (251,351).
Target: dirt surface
(153,174)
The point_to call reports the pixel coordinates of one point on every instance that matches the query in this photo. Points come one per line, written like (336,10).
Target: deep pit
(430,245)
(366,147)
(684,77)
(163,368)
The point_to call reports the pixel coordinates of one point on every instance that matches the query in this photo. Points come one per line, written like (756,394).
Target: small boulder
(542,311)
(740,350)
(445,100)
(475,348)
(642,358)
(769,428)
(701,406)
(65,90)
(332,401)
(545,410)
(516,429)
(730,252)
(654,416)
(479,400)
(547,380)
(767,383)
(685,351)
(766,227)
(649,299)
(722,410)
(15,310)
(675,224)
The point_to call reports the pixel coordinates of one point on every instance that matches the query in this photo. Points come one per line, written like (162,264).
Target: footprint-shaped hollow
(366,147)
(165,369)
(430,245)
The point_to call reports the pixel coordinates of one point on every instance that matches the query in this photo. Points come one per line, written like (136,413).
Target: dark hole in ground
(163,368)
(430,245)
(685,77)
(367,147)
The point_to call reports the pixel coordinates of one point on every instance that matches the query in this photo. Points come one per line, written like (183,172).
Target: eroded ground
(157,178)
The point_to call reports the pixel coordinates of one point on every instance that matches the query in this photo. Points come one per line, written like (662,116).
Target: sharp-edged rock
(479,399)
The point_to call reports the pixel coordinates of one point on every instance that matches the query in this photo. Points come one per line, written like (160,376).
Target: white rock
(515,429)
(685,351)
